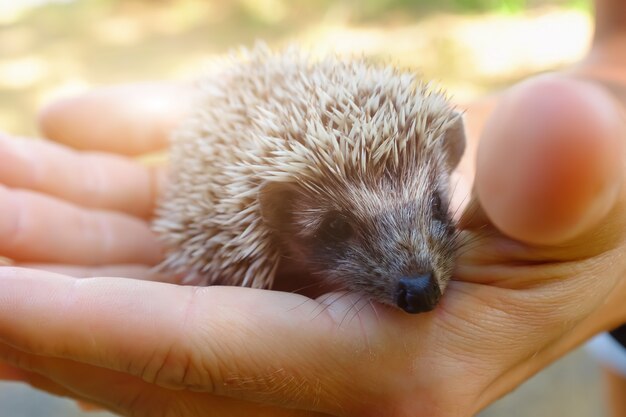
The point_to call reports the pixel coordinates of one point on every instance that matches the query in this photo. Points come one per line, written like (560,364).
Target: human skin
(523,294)
(151,348)
(607,61)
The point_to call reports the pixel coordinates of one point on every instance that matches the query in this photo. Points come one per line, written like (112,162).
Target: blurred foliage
(365,10)
(51,48)
(514,5)
(374,8)
(359,10)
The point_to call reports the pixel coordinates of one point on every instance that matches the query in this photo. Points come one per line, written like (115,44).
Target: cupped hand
(524,293)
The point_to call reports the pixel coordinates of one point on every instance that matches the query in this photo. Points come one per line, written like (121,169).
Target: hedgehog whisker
(353,306)
(358,306)
(357,314)
(307,300)
(306,287)
(460,205)
(375,310)
(474,242)
(328,305)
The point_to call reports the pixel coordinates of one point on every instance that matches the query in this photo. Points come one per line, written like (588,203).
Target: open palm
(146,348)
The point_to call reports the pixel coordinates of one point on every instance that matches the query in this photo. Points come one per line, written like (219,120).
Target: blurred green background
(52,48)
(49,48)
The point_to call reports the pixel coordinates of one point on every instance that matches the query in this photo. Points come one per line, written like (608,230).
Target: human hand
(86,212)
(152,348)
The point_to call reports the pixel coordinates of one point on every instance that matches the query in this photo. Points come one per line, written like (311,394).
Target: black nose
(418,294)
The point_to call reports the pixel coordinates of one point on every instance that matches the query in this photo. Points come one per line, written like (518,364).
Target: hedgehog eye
(439,210)
(336,227)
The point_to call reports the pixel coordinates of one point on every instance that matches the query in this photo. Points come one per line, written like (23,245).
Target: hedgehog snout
(417,293)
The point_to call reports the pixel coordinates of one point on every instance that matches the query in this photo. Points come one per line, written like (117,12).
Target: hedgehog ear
(454,141)
(276,201)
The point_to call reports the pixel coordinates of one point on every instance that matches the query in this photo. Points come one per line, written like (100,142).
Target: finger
(130,120)
(11,373)
(95,180)
(550,161)
(88,407)
(45,384)
(38,228)
(129,395)
(221,340)
(142,272)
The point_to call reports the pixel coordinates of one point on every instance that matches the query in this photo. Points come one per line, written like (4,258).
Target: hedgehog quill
(338,167)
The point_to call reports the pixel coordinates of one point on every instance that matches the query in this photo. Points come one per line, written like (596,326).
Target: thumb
(550,161)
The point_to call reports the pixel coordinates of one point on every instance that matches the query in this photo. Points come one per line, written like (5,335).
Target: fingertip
(88,407)
(128,119)
(550,160)
(48,117)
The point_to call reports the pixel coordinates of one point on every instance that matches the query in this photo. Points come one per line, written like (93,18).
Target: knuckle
(13,230)
(185,362)
(94,181)
(144,403)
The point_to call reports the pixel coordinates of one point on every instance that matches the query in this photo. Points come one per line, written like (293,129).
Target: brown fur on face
(399,226)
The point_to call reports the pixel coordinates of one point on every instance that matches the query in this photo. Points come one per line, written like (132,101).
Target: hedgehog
(335,167)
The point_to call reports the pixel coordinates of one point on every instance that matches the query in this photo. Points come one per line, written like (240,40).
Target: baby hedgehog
(336,167)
